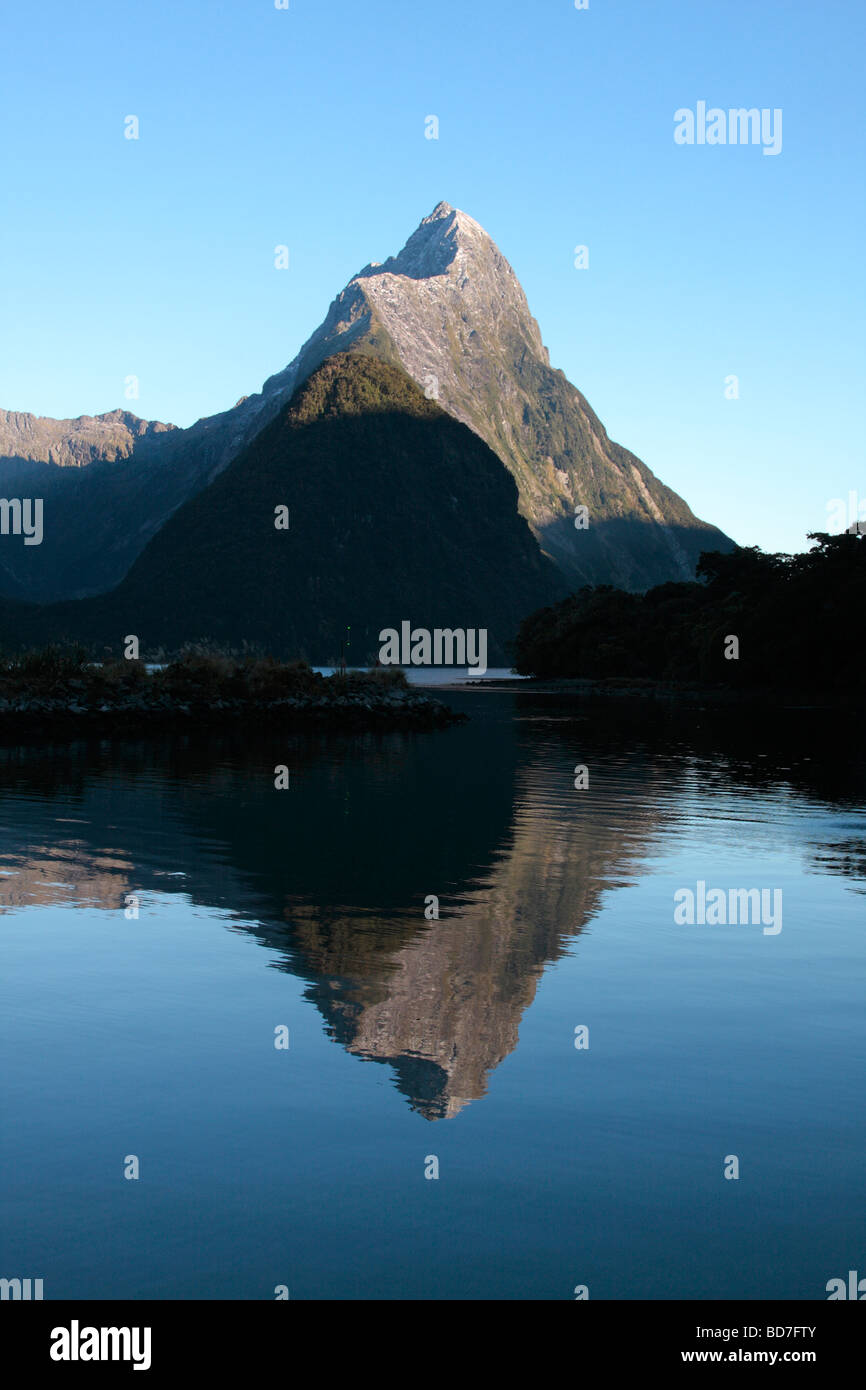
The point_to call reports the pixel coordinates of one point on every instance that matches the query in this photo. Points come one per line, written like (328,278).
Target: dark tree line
(797,618)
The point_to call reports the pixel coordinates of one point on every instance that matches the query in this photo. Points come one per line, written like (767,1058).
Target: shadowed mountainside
(396,512)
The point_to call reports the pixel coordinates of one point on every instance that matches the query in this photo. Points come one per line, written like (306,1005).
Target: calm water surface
(153,1035)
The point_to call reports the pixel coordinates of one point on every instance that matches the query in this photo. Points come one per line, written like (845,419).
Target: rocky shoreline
(350,711)
(60,695)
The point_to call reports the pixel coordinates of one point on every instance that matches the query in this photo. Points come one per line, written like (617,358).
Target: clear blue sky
(305,127)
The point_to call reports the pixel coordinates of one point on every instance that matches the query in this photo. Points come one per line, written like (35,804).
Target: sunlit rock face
(450,309)
(73,443)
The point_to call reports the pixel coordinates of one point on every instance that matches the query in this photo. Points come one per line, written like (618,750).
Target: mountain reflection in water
(332,875)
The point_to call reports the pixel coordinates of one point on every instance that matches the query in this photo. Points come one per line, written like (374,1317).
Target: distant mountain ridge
(450,312)
(72,443)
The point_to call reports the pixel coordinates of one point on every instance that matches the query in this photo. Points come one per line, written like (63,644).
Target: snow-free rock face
(73,443)
(450,311)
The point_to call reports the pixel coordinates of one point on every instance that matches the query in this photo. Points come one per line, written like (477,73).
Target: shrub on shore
(46,667)
(389,676)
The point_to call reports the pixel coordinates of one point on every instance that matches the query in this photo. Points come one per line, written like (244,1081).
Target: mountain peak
(450,311)
(436,246)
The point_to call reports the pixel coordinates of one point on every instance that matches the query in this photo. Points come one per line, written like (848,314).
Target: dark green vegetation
(60,685)
(797,618)
(397,512)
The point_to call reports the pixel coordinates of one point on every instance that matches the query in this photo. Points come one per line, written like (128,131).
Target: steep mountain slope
(450,311)
(108,483)
(68,464)
(397,512)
